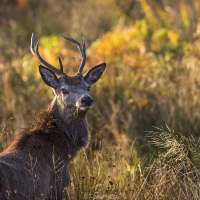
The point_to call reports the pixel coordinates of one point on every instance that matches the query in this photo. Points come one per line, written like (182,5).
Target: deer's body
(35,165)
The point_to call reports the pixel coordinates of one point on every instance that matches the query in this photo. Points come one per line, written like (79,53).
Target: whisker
(99,113)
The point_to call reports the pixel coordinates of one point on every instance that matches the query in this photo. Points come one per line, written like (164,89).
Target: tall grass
(121,175)
(152,78)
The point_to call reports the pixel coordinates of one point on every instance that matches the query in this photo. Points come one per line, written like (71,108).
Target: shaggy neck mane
(64,131)
(70,123)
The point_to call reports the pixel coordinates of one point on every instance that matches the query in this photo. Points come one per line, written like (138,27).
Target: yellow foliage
(173,37)
(125,45)
(158,38)
(148,11)
(184,15)
(50,48)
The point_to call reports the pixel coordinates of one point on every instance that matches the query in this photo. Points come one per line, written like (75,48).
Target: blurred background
(152,51)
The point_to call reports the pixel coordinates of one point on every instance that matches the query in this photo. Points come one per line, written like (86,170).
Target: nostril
(87,100)
(84,100)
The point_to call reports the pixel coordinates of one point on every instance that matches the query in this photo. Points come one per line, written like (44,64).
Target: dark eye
(64,91)
(88,89)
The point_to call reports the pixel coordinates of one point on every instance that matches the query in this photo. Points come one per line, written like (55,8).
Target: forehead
(76,80)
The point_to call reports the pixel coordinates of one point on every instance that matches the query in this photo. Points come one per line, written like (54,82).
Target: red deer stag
(35,165)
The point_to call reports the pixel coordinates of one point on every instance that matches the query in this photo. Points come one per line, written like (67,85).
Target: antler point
(36,53)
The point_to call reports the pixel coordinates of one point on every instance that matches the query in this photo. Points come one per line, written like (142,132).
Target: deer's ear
(48,77)
(95,73)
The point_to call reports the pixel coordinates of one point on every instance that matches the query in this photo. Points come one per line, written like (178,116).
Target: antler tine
(81,49)
(37,54)
(61,65)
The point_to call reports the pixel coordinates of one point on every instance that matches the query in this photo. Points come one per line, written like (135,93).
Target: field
(145,125)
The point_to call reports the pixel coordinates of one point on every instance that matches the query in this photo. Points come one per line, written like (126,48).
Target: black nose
(87,101)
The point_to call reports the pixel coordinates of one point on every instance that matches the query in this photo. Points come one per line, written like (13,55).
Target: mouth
(85,108)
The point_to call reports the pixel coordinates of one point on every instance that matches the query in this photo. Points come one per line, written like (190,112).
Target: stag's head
(71,92)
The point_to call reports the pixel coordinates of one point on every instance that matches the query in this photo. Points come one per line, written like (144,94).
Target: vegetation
(152,79)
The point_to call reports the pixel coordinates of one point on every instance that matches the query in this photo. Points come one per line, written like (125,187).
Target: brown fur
(35,165)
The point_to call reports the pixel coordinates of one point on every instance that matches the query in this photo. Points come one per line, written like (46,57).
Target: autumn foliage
(152,80)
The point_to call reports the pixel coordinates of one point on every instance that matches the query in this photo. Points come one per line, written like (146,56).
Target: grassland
(146,121)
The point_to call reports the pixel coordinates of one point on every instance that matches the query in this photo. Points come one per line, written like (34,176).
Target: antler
(36,54)
(81,49)
(61,65)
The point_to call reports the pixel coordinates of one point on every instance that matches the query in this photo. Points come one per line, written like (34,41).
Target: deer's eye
(88,89)
(64,91)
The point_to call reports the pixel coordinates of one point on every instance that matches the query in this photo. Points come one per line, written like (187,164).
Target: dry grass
(116,174)
(152,78)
